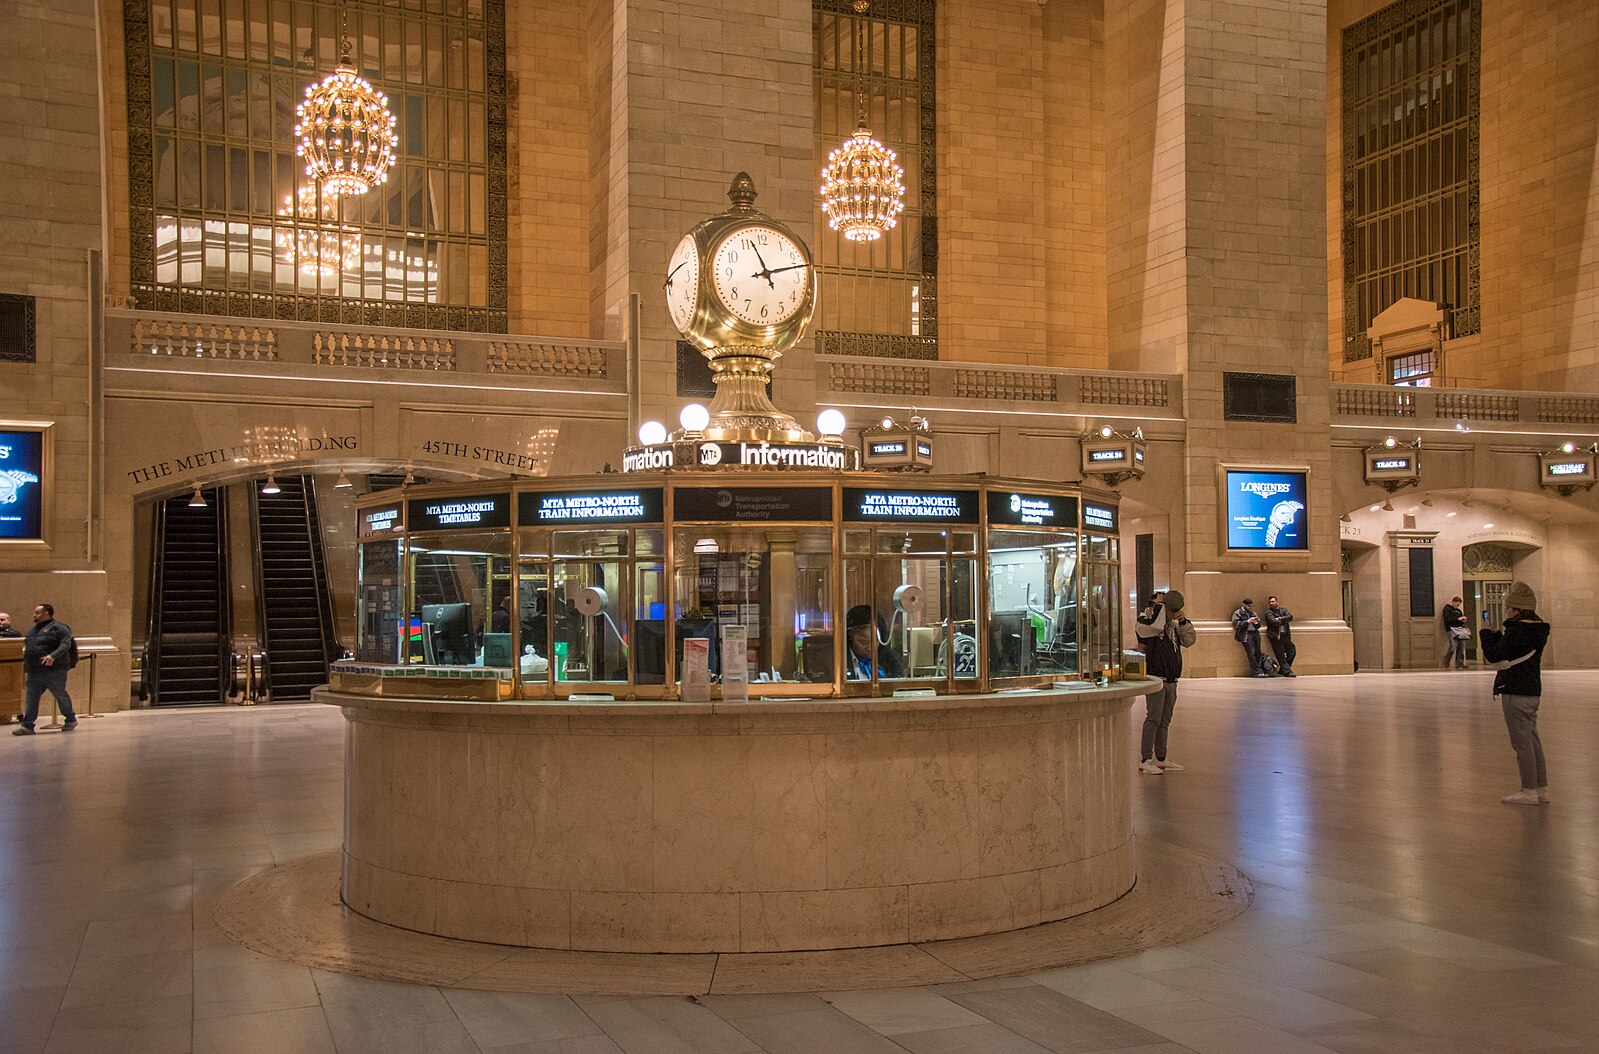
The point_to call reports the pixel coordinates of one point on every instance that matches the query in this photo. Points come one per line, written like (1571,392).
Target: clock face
(762,275)
(683,283)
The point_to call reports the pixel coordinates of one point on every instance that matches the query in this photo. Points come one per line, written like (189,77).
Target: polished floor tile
(1398,905)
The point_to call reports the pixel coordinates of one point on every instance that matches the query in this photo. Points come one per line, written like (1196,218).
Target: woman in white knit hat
(1516,651)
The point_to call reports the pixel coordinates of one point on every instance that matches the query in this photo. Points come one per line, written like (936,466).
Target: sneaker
(1543,795)
(1290,673)
(69,726)
(1169,766)
(1521,797)
(1150,768)
(22,730)
(1260,673)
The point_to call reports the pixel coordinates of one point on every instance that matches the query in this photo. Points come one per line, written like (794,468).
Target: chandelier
(345,129)
(317,245)
(863,186)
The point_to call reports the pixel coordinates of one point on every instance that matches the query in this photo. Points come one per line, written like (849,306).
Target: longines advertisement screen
(21,486)
(1266,510)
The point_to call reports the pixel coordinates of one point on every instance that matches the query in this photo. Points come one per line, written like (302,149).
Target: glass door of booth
(910,599)
(1101,644)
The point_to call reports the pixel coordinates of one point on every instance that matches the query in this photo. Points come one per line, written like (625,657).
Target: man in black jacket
(1246,631)
(6,628)
(46,660)
(1456,634)
(1164,633)
(1516,651)
(1281,634)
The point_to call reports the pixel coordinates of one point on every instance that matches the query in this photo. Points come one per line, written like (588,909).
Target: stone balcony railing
(200,339)
(1060,392)
(1379,404)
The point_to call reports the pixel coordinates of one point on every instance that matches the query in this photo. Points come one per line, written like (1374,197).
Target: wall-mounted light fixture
(1113,456)
(1393,464)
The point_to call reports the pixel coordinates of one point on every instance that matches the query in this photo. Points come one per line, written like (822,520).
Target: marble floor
(1398,905)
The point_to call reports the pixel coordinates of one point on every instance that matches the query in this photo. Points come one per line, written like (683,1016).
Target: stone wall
(50,216)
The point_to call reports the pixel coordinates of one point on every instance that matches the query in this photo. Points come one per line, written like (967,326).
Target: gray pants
(1455,649)
(1157,720)
(1521,717)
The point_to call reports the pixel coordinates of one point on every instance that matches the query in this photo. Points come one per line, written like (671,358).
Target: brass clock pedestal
(741,410)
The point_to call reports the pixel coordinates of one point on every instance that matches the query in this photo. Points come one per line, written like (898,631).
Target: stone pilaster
(1218,263)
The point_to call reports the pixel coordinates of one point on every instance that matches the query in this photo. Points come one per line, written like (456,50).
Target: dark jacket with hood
(1164,642)
(1517,652)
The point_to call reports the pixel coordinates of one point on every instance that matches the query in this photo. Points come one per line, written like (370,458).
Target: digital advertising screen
(1266,509)
(21,485)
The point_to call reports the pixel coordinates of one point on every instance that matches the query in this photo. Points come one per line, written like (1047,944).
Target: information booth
(843,583)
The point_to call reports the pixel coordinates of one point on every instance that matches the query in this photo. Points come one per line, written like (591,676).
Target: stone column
(1217,262)
(687,94)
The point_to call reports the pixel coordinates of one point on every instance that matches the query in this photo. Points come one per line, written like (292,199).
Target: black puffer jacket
(1517,653)
(46,638)
(1164,642)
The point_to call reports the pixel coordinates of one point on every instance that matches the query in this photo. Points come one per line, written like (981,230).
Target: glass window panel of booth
(1101,630)
(774,580)
(532,597)
(460,599)
(381,619)
(911,611)
(1032,603)
(587,584)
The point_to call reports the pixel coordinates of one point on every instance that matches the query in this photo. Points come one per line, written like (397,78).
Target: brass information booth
(589,587)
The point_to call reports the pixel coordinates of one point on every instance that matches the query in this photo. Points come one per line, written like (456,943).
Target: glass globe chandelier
(863,186)
(318,246)
(345,130)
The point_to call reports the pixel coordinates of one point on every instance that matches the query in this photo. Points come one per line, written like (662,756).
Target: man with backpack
(1164,632)
(48,654)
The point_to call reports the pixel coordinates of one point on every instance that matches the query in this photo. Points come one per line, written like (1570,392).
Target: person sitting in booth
(859,625)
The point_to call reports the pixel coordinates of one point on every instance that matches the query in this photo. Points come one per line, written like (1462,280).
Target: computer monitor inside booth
(450,627)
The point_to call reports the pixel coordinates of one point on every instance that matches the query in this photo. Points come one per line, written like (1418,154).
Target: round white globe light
(651,432)
(830,422)
(1106,431)
(886,423)
(694,418)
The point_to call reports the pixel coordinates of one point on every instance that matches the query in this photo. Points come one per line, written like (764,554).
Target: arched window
(223,217)
(881,297)
(1410,163)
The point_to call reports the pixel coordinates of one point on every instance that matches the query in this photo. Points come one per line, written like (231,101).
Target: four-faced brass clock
(741,279)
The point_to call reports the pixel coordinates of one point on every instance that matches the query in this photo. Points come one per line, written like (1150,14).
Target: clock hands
(765,272)
(780,270)
(673,274)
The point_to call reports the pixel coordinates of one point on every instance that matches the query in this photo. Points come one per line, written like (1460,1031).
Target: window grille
(1410,198)
(880,297)
(1414,370)
(224,219)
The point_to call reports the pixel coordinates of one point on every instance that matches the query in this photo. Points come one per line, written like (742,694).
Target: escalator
(296,614)
(188,640)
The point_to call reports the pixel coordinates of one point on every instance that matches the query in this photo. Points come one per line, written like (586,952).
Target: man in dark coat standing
(46,661)
(1281,635)
(1456,634)
(1515,650)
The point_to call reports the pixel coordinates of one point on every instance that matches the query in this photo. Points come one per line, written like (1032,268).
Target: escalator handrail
(150,663)
(224,597)
(263,631)
(319,573)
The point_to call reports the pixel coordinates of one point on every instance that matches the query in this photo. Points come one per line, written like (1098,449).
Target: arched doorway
(1487,569)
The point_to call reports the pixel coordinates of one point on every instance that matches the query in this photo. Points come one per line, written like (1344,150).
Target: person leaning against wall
(1515,650)
(48,656)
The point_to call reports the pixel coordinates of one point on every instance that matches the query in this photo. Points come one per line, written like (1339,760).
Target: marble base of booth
(294,912)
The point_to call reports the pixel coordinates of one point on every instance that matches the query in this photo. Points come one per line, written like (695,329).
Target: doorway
(1486,571)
